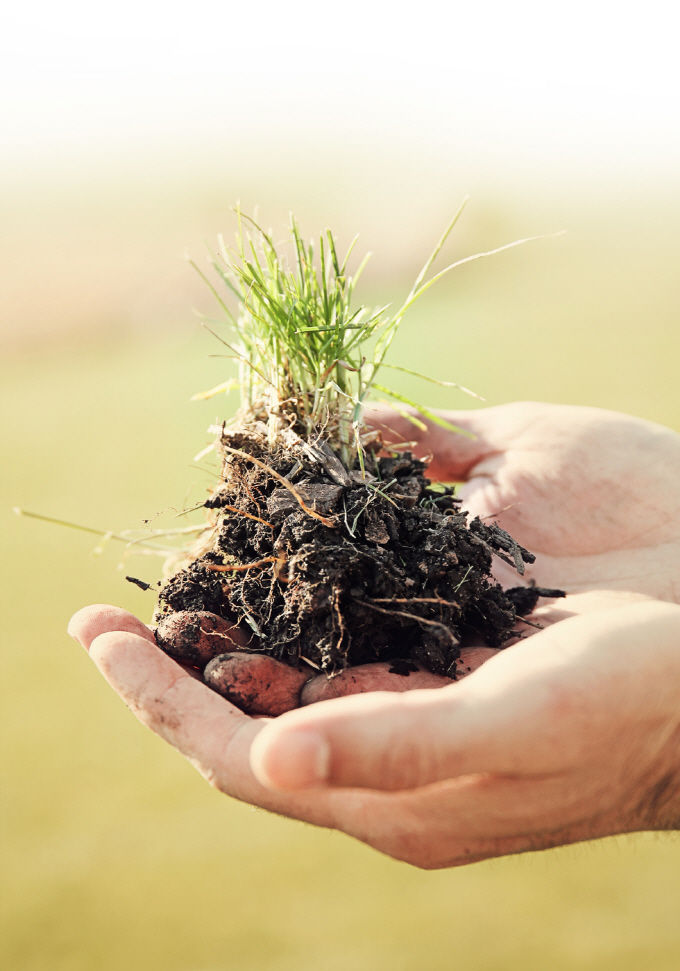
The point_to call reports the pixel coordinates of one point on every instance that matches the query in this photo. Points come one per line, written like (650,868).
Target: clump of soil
(312,562)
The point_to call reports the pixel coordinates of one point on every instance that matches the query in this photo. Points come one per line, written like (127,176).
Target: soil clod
(345,568)
(139,583)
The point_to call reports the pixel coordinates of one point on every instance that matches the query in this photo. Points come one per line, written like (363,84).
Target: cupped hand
(570,735)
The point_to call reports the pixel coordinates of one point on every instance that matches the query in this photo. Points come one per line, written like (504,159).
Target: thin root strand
(216,568)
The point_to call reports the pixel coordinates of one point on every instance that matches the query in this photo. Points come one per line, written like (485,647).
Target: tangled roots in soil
(338,568)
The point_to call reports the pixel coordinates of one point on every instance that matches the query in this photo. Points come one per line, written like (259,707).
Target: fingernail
(318,756)
(296,760)
(305,758)
(71,634)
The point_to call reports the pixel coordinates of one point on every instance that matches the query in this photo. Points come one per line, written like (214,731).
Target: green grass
(307,358)
(116,854)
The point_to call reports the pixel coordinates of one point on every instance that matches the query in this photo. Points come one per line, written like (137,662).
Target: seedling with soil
(327,545)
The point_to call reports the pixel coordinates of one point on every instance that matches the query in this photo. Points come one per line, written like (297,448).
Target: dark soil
(379,568)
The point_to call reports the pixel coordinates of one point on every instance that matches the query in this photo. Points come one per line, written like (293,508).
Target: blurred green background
(115,853)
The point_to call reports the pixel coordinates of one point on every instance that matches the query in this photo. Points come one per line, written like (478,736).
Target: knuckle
(403,764)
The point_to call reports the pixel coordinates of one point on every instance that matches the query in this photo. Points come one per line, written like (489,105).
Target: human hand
(571,735)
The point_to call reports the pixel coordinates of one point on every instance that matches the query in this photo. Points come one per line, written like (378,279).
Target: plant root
(384,567)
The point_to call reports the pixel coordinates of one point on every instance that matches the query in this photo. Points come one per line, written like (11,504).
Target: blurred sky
(128,130)
(530,82)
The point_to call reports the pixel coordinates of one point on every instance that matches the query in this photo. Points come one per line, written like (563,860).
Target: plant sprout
(302,349)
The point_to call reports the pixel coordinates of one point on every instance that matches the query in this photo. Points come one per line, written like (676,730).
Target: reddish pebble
(196,636)
(256,683)
(369,677)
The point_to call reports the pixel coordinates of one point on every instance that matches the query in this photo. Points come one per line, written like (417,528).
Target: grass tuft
(302,349)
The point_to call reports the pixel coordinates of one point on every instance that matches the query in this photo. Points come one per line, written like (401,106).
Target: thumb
(379,740)
(496,720)
(536,708)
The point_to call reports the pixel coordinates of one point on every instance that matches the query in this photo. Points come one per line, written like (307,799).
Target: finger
(197,636)
(97,619)
(576,604)
(216,738)
(533,708)
(377,740)
(210,732)
(256,683)
(454,456)
(369,677)
(378,677)
(300,761)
